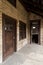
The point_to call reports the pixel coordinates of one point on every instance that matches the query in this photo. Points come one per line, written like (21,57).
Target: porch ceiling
(35,6)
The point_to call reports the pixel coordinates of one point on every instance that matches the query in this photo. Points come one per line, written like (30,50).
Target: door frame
(3,33)
(37,20)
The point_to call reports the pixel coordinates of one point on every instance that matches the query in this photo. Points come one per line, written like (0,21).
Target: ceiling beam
(33,7)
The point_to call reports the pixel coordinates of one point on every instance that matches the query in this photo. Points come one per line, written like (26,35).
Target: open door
(35,31)
(9,36)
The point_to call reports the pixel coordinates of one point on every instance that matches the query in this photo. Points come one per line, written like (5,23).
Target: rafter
(33,5)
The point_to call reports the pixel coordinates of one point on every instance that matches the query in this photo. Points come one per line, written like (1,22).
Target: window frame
(22,30)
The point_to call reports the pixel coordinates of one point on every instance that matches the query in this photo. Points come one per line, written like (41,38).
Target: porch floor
(28,55)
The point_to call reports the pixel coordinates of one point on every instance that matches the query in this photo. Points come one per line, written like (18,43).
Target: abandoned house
(21,23)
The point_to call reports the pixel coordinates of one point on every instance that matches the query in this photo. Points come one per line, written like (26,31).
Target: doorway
(9,36)
(35,31)
(35,38)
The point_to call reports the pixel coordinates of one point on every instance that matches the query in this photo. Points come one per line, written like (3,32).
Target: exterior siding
(22,15)
(35,17)
(0,32)
(0,37)
(41,32)
(18,13)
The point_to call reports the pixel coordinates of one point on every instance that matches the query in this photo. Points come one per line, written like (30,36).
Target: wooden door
(9,36)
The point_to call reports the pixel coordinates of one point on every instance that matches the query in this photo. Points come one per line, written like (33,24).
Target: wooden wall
(35,17)
(18,13)
(0,32)
(41,31)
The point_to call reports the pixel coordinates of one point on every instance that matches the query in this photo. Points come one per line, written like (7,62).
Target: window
(13,2)
(22,30)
